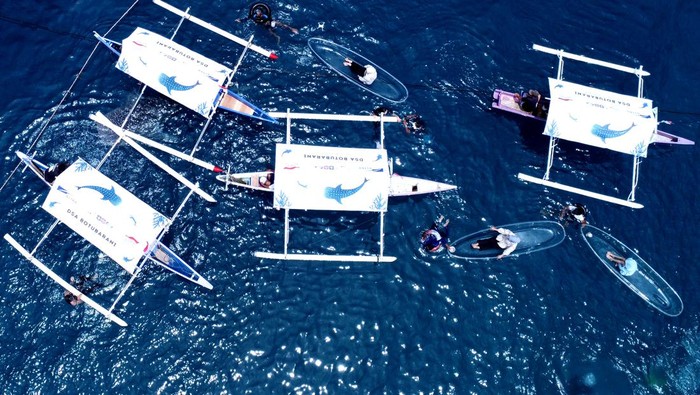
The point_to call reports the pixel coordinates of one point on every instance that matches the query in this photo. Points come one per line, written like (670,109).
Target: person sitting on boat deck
(505,240)
(574,213)
(261,14)
(437,236)
(85,285)
(367,74)
(626,266)
(55,170)
(267,180)
(413,123)
(529,101)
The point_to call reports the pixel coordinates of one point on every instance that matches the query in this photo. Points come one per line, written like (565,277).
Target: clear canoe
(385,86)
(534,236)
(645,282)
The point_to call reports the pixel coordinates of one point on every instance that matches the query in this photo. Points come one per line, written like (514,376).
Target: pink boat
(505,101)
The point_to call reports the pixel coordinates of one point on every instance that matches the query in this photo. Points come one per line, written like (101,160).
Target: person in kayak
(626,266)
(574,213)
(437,236)
(505,240)
(367,74)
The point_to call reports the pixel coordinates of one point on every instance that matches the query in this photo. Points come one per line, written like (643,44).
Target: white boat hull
(399,186)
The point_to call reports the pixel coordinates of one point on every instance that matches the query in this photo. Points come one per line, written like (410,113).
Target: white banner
(331,178)
(104,213)
(600,118)
(173,70)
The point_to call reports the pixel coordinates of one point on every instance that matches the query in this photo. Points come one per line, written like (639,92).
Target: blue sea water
(547,323)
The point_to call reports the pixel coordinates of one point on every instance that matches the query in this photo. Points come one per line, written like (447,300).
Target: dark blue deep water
(556,322)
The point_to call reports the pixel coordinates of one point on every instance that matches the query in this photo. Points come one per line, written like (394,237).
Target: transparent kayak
(645,282)
(385,86)
(534,236)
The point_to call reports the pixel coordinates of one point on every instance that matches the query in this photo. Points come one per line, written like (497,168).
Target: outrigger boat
(309,177)
(599,118)
(185,76)
(398,185)
(505,101)
(112,219)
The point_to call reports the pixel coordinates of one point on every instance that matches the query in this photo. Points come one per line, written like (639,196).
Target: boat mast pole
(286,210)
(381,129)
(220,97)
(635,177)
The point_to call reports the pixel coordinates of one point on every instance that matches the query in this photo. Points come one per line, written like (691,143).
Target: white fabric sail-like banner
(175,71)
(331,178)
(104,213)
(600,118)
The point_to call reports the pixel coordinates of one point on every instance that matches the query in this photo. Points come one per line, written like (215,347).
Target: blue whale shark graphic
(339,193)
(171,85)
(604,131)
(109,195)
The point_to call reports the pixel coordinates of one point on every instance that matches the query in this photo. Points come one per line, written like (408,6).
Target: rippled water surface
(552,322)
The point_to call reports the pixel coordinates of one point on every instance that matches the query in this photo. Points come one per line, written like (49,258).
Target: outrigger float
(309,177)
(598,118)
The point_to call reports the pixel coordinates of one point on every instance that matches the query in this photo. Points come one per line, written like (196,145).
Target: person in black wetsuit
(574,213)
(85,285)
(54,171)
(261,14)
(437,236)
(413,123)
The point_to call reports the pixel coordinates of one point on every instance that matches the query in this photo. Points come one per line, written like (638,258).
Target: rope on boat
(68,92)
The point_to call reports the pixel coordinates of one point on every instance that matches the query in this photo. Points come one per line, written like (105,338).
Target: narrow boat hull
(645,282)
(399,185)
(246,180)
(332,55)
(410,186)
(534,236)
(505,101)
(165,257)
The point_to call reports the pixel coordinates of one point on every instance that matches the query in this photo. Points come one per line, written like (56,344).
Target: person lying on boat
(505,240)
(574,213)
(261,14)
(54,170)
(268,180)
(413,123)
(85,285)
(626,266)
(437,236)
(367,74)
